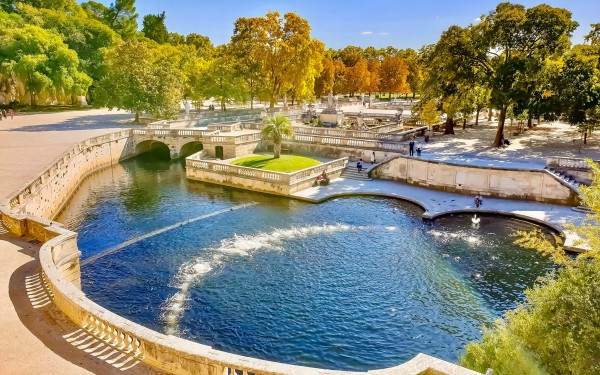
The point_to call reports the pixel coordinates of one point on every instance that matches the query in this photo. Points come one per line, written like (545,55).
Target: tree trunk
(585,135)
(251,102)
(414,93)
(464,123)
(449,126)
(477,116)
(490,114)
(529,120)
(137,117)
(500,132)
(277,150)
(272,103)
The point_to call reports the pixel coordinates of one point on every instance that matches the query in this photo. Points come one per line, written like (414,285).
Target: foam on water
(462,235)
(192,272)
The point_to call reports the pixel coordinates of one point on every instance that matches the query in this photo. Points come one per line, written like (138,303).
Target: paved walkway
(527,151)
(437,203)
(36,338)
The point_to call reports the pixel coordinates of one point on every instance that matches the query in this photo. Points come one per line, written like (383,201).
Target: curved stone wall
(23,214)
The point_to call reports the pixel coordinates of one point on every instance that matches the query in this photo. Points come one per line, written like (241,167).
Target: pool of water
(350,284)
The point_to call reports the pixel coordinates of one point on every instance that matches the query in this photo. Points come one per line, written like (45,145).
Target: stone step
(352,174)
(583,209)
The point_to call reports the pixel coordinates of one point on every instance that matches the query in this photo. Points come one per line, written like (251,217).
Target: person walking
(4,114)
(12,114)
(359,166)
(419,149)
(411,147)
(373,158)
(478,200)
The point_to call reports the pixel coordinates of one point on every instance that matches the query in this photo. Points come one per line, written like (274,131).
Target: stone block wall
(535,185)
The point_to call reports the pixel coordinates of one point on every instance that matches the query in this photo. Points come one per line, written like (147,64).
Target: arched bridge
(180,142)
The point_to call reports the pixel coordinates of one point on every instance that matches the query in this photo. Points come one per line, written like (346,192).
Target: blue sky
(399,23)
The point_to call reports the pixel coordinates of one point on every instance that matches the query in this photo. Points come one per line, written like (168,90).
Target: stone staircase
(351,173)
(582,209)
(575,185)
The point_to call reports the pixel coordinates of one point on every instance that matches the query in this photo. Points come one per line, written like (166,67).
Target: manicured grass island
(286,163)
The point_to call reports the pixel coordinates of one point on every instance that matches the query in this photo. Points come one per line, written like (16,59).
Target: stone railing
(226,127)
(395,137)
(59,258)
(284,178)
(368,144)
(228,140)
(388,127)
(568,163)
(174,132)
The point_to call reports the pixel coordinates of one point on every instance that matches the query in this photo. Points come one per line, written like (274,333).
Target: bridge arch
(158,147)
(190,148)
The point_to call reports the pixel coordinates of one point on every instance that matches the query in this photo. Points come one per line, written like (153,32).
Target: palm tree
(277,127)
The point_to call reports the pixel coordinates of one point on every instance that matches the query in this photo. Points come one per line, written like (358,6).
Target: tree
(415,69)
(88,37)
(393,73)
(221,81)
(154,27)
(120,16)
(504,53)
(286,53)
(247,53)
(142,77)
(324,83)
(277,128)
(41,61)
(374,68)
(556,330)
(203,45)
(429,114)
(357,77)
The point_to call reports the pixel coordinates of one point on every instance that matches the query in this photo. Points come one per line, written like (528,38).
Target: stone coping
(59,259)
(436,204)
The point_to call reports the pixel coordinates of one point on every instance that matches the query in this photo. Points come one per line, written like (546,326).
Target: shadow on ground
(84,122)
(34,307)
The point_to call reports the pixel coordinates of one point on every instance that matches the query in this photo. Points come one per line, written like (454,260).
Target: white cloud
(383,33)
(477,20)
(367,33)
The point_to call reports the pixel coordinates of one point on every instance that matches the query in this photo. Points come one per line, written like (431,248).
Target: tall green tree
(277,128)
(142,77)
(120,16)
(504,52)
(154,28)
(41,61)
(220,80)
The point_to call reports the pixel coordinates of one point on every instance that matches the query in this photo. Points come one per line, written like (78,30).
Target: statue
(187,108)
(330,100)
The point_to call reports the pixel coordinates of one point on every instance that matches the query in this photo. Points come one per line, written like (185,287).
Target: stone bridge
(179,142)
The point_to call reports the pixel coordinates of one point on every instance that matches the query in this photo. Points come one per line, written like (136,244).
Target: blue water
(350,284)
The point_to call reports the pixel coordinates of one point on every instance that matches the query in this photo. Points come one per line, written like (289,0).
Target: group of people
(4,114)
(322,179)
(359,163)
(411,148)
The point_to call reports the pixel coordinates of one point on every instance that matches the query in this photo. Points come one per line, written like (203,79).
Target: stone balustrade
(59,257)
(258,179)
(369,144)
(568,163)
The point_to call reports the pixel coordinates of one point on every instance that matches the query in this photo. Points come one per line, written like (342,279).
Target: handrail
(573,163)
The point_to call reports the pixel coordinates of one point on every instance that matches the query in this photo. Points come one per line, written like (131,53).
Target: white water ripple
(193,271)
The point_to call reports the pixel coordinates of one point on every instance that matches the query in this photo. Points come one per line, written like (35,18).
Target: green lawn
(286,163)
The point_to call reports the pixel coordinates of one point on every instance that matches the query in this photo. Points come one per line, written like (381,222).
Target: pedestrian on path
(419,148)
(373,158)
(359,165)
(12,114)
(4,114)
(478,200)
(411,147)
